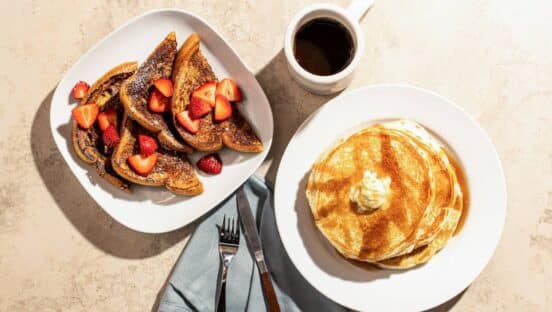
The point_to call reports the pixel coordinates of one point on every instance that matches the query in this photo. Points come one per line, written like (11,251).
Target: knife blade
(254,243)
(250,229)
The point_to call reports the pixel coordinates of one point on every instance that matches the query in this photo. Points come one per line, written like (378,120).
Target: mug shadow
(290,103)
(80,209)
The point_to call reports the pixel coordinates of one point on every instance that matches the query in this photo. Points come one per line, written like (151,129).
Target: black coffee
(323,47)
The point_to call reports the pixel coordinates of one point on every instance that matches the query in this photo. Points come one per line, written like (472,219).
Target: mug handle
(358,8)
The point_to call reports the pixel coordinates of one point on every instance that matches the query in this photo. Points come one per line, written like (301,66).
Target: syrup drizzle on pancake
(425,202)
(465,192)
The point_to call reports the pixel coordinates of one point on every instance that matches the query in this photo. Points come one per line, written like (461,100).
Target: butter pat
(371,192)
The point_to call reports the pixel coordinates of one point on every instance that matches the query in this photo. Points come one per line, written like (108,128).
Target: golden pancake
(388,194)
(379,234)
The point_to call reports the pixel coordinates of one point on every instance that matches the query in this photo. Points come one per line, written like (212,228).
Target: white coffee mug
(349,19)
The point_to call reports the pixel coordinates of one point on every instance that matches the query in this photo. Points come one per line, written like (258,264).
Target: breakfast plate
(154,209)
(362,287)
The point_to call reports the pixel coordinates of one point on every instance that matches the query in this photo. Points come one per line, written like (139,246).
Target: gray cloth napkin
(193,282)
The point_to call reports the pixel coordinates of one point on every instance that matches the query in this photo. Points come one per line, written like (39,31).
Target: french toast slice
(238,135)
(135,93)
(172,169)
(191,70)
(87,143)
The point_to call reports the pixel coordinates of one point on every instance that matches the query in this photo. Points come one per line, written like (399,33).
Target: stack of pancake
(389,194)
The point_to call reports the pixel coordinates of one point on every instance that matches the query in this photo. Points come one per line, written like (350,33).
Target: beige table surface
(60,252)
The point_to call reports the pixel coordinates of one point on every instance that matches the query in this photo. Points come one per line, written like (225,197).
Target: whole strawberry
(80,89)
(211,164)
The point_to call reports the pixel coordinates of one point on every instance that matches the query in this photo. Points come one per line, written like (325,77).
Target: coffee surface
(323,47)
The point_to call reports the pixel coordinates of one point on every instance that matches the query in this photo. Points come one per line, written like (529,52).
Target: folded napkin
(193,282)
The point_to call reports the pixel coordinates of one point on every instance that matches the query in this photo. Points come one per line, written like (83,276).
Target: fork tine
(223,233)
(227,229)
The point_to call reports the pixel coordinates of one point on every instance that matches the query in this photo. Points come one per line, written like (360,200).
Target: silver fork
(229,241)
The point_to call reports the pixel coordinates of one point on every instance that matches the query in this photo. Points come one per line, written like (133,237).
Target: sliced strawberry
(211,164)
(199,108)
(158,103)
(165,86)
(106,118)
(206,93)
(142,165)
(223,109)
(186,121)
(229,89)
(80,89)
(110,136)
(148,145)
(85,115)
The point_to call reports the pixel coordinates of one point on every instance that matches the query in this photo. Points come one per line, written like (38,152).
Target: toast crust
(135,93)
(191,70)
(87,142)
(238,135)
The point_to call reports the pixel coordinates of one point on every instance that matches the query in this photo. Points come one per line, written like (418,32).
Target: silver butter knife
(254,243)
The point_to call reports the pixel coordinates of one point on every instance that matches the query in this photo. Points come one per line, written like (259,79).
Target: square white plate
(154,209)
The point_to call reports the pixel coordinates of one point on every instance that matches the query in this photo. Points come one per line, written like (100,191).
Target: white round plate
(154,209)
(448,272)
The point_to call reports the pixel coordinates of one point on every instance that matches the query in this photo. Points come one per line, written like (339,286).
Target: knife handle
(269,293)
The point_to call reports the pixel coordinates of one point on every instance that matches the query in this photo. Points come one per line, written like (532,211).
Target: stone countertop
(60,251)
